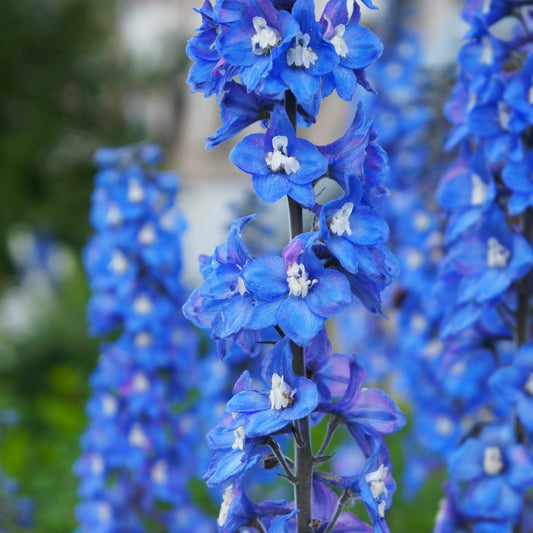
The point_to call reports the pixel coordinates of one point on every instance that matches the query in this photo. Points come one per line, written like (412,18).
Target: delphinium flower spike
(273,61)
(484,288)
(136,461)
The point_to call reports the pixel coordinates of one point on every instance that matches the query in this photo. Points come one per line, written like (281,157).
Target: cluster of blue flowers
(271,61)
(403,350)
(484,286)
(137,462)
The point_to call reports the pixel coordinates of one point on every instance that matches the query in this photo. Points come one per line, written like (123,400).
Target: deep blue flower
(349,229)
(356,46)
(515,384)
(280,163)
(295,291)
(309,55)
(490,475)
(256,40)
(263,412)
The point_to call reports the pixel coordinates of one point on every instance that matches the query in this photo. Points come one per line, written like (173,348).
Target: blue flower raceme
(484,286)
(135,460)
(272,62)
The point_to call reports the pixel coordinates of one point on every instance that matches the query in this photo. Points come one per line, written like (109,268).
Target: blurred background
(78,75)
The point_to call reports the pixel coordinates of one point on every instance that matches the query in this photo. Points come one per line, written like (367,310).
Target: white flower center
(159,472)
(338,42)
(109,405)
(137,437)
(444,426)
(422,222)
(376,480)
(497,254)
(278,161)
(239,438)
(147,235)
(486,6)
(265,37)
(492,461)
(97,464)
(415,259)
(140,382)
(142,305)
(113,216)
(504,115)
(226,503)
(281,395)
(135,192)
(301,55)
(118,263)
(479,190)
(340,221)
(472,101)
(299,283)
(104,512)
(241,287)
(530,92)
(487,54)
(528,387)
(142,339)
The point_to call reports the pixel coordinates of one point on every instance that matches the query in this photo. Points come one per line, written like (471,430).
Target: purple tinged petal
(376,410)
(520,469)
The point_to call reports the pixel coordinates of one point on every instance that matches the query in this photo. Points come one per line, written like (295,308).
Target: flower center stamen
(301,55)
(281,395)
(376,480)
(492,461)
(528,387)
(265,37)
(479,190)
(338,42)
(340,221)
(239,438)
(278,161)
(497,254)
(225,506)
(299,283)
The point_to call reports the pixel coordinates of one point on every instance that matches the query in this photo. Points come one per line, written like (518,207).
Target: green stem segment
(303,453)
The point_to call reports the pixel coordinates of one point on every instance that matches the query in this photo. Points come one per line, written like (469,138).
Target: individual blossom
(279,162)
(264,412)
(295,291)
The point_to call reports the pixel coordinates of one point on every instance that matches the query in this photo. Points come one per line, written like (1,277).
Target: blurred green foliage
(59,100)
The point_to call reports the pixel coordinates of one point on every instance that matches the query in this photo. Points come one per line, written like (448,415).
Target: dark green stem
(303,453)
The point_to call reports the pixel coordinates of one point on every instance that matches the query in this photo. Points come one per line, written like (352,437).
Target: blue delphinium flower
(279,162)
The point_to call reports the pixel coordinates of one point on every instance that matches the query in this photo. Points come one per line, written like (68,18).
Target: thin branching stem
(333,424)
(340,506)
(275,447)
